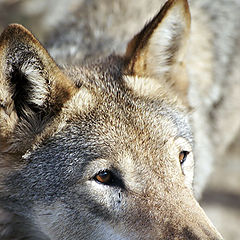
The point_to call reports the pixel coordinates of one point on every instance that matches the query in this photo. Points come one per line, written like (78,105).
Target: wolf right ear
(32,87)
(158,50)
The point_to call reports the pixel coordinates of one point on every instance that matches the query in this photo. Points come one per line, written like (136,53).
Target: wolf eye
(105,177)
(183,156)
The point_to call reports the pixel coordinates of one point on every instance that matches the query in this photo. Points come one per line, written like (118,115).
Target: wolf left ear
(32,87)
(158,50)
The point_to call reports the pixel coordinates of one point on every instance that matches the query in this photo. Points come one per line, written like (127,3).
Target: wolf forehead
(110,98)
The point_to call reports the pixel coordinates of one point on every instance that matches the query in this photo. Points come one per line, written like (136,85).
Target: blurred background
(221,198)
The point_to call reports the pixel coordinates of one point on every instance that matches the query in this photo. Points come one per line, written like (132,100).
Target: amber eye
(104,177)
(183,156)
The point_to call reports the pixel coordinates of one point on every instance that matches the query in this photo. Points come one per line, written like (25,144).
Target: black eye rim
(114,181)
(185,154)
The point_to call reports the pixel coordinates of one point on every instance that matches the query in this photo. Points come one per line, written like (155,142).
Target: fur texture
(138,118)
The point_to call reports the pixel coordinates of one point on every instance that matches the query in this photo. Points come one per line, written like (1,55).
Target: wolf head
(102,150)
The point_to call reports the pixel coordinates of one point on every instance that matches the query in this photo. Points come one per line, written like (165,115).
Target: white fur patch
(167,41)
(80,102)
(39,89)
(148,87)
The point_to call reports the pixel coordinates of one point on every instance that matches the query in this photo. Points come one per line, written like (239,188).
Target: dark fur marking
(189,234)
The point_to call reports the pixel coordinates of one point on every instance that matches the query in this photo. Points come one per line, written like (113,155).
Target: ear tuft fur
(158,50)
(32,87)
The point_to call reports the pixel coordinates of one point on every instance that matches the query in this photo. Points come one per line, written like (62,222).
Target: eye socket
(104,176)
(183,156)
(107,177)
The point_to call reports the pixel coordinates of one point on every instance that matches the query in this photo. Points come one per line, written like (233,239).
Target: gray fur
(93,35)
(48,184)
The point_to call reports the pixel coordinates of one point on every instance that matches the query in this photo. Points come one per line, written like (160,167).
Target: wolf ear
(32,87)
(158,50)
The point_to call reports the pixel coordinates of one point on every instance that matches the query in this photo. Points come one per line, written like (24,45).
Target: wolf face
(102,150)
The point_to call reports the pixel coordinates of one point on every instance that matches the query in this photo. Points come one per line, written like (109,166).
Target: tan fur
(163,57)
(125,115)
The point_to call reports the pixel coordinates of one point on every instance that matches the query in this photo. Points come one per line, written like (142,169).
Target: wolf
(100,146)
